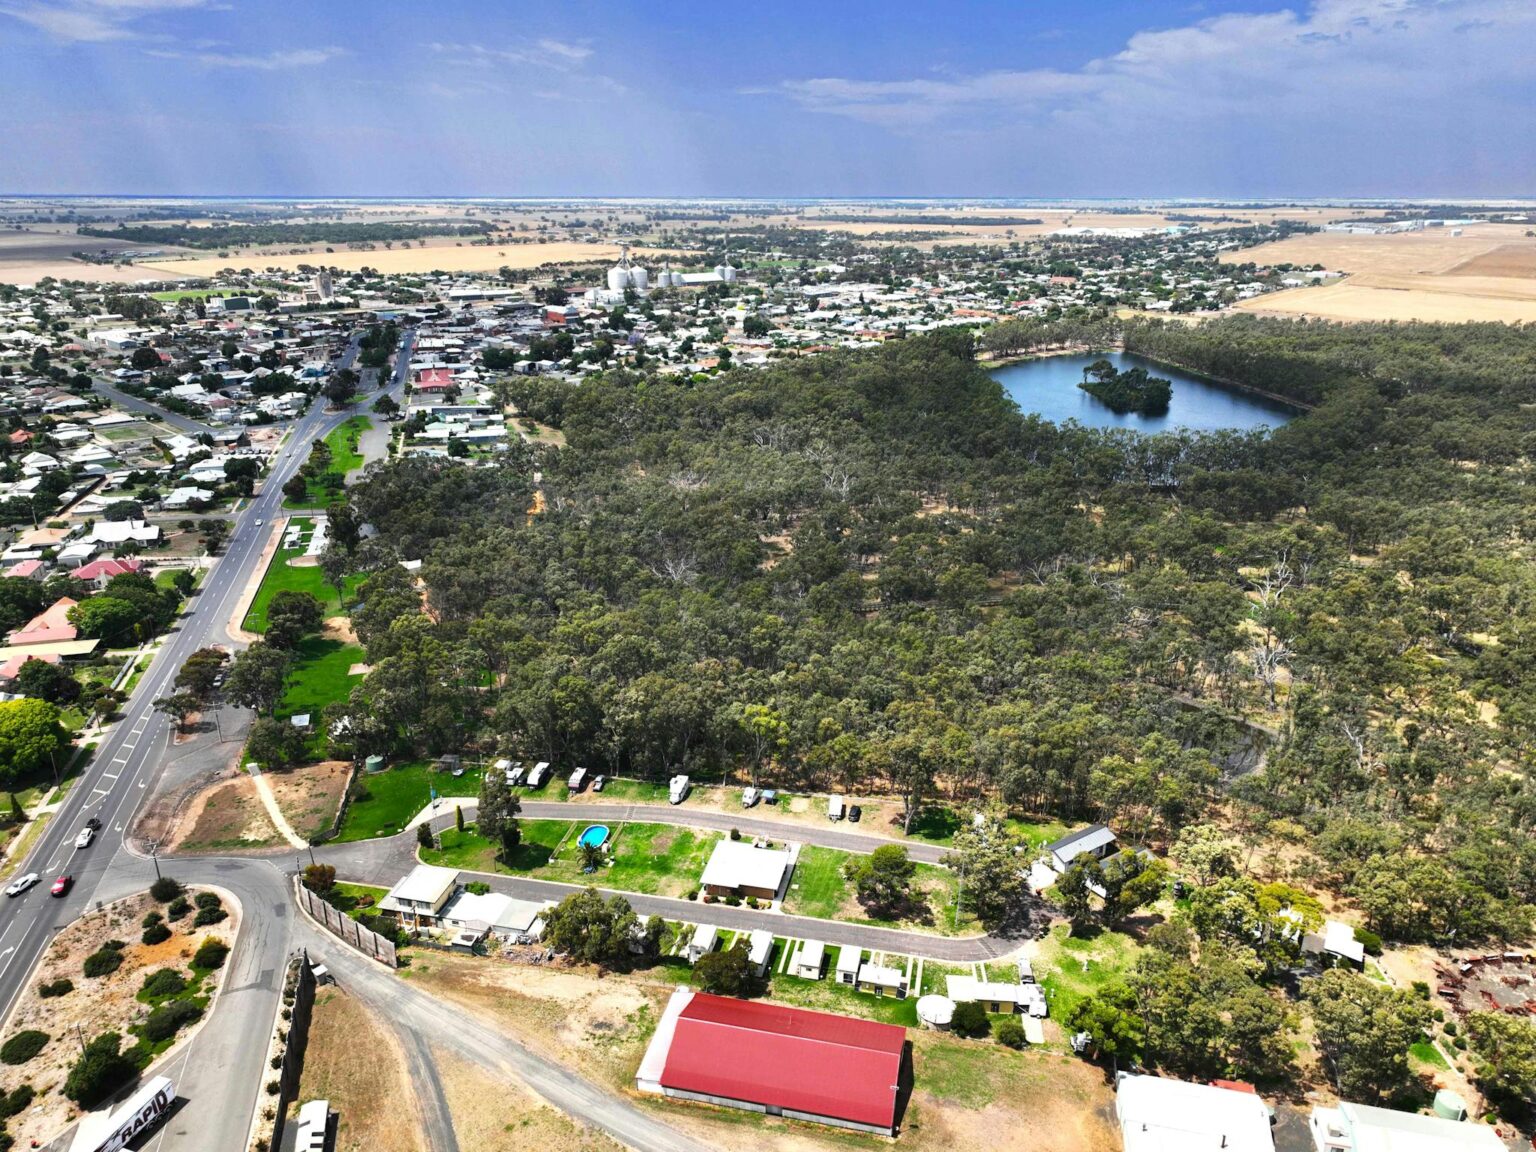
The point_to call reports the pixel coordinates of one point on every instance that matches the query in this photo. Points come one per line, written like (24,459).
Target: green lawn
(817,888)
(281,575)
(342,442)
(823,891)
(1079,967)
(195,294)
(349,898)
(658,859)
(633,791)
(827,995)
(938,824)
(319,676)
(1427,1053)
(394,796)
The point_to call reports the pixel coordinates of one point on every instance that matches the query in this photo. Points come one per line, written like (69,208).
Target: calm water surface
(1048,386)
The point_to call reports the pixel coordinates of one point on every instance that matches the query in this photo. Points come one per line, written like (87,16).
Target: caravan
(677,790)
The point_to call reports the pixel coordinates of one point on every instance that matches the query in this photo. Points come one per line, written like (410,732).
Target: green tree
(592,930)
(882,879)
(31,739)
(1109,1017)
(199,674)
(1364,1030)
(728,972)
(986,857)
(257,676)
(1074,891)
(291,616)
(1131,881)
(274,744)
(101,1070)
(1506,1055)
(179,706)
(497,807)
(107,618)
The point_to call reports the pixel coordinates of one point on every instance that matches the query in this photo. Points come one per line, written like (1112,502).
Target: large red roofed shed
(786,1061)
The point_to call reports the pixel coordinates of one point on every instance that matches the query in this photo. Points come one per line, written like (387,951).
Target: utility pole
(154,856)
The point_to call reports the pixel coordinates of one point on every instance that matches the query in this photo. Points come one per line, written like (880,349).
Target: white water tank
(639,278)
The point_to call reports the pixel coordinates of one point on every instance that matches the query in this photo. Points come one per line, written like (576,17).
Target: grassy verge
(391,798)
(281,575)
(657,859)
(318,677)
(355,899)
(342,441)
(30,833)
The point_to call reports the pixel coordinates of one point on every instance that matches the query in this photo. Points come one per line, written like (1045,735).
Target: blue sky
(1108,98)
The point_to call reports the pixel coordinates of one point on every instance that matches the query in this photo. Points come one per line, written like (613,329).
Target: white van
(577,779)
(835,808)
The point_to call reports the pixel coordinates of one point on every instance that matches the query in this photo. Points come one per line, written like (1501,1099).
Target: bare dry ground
(228,817)
(968,1093)
(310,795)
(102,1004)
(1486,273)
(449,257)
(355,1062)
(491,1115)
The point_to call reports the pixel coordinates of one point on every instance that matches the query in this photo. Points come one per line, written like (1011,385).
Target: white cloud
(1364,55)
(260,62)
(91,21)
(561,55)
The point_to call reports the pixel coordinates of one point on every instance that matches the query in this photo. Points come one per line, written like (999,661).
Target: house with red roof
(49,626)
(434,379)
(780,1061)
(99,572)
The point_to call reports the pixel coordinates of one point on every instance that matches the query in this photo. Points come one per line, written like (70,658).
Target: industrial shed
(780,1061)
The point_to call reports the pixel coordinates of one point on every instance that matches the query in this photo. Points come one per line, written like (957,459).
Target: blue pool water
(1048,386)
(595,835)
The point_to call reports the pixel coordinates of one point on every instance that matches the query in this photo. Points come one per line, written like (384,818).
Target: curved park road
(382,862)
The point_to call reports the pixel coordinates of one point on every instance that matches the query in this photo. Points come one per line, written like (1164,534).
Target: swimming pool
(595,835)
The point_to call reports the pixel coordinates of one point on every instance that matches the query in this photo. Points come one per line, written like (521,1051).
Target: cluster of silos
(624,275)
(726,273)
(669,278)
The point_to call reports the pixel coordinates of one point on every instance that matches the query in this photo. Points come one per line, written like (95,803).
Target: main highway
(123,772)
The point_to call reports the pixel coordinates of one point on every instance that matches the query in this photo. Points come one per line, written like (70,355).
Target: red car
(62,885)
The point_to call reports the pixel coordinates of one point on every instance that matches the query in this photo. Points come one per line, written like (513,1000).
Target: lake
(1048,387)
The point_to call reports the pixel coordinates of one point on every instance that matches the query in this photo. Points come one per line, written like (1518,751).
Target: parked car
(87,834)
(599,783)
(62,885)
(854,812)
(21,884)
(749,797)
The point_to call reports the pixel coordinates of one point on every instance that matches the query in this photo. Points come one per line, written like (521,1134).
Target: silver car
(21,884)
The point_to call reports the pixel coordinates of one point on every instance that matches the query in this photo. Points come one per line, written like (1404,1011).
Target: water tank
(1449,1105)
(618,278)
(936,1011)
(373,764)
(639,278)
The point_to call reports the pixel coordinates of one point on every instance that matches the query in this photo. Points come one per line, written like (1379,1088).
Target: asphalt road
(128,763)
(384,861)
(133,404)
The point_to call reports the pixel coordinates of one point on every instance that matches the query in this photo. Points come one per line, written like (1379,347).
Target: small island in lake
(1134,390)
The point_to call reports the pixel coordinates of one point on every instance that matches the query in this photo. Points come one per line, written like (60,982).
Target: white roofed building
(736,868)
(1160,1115)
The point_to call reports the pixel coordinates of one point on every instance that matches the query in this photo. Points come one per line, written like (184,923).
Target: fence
(341,810)
(291,1035)
(347,930)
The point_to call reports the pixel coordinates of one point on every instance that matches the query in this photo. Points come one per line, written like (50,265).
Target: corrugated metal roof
(787,1058)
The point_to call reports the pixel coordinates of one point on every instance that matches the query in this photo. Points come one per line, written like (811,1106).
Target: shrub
(208,900)
(168,1019)
(164,982)
(207,916)
(210,954)
(693,894)
(1450,1027)
(165,889)
(61,987)
(151,919)
(1369,940)
(751,901)
(113,946)
(276,1062)
(1009,1033)
(23,1046)
(970,1019)
(424,836)
(178,908)
(155,934)
(17,1101)
(101,1070)
(274,1087)
(477,887)
(735,833)
(103,963)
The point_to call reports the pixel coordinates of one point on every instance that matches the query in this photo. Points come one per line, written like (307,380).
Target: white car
(84,839)
(21,884)
(259,523)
